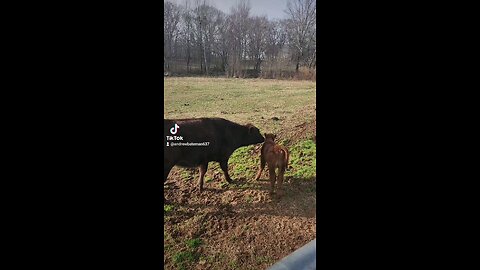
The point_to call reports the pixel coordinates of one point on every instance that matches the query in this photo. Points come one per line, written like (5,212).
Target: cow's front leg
(203,170)
(224,166)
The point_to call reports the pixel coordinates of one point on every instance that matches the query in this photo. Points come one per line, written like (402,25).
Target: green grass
(233,265)
(184,259)
(208,179)
(302,160)
(167,208)
(194,243)
(186,175)
(245,165)
(224,184)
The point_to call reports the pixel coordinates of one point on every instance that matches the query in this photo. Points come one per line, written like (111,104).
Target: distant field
(242,100)
(239,226)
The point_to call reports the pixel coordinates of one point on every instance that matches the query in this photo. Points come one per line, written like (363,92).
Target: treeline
(200,39)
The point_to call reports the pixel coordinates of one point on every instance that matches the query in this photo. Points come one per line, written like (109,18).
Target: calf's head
(270,137)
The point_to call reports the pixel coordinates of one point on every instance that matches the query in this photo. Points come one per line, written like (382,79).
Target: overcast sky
(273,9)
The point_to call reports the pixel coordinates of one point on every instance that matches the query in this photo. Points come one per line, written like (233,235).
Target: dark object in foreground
(275,156)
(220,137)
(304,258)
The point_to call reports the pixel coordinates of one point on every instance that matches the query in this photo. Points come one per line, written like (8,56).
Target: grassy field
(239,226)
(242,100)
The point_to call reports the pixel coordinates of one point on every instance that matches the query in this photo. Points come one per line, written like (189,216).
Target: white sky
(273,9)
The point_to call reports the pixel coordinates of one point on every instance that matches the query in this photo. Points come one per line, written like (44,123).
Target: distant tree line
(200,39)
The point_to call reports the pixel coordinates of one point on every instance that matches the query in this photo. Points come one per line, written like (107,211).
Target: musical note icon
(174,129)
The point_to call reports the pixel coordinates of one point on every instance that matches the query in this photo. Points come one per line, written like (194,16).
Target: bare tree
(238,34)
(301,28)
(222,44)
(203,39)
(170,28)
(187,34)
(276,39)
(257,40)
(199,17)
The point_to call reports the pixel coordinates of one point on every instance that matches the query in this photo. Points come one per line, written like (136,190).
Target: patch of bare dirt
(241,228)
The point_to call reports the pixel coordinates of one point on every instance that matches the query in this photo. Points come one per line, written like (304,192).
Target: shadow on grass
(297,200)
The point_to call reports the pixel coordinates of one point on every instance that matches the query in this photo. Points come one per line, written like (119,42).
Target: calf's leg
(262,166)
(271,172)
(281,173)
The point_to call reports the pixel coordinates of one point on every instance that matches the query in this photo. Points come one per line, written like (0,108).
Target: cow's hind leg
(167,168)
(224,166)
(203,170)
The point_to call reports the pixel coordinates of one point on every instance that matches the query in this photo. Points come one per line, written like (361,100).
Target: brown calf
(275,156)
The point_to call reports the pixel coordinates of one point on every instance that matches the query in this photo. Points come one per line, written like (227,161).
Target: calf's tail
(287,155)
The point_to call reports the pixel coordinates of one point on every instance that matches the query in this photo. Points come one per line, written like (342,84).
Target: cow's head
(253,135)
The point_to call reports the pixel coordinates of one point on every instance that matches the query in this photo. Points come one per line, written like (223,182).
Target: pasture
(238,225)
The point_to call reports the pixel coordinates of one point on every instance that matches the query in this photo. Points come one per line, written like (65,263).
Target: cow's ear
(251,129)
(265,134)
(274,136)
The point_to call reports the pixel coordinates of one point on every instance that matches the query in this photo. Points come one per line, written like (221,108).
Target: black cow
(222,136)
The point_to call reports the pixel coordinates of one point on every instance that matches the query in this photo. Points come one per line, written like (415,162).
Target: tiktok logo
(174,129)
